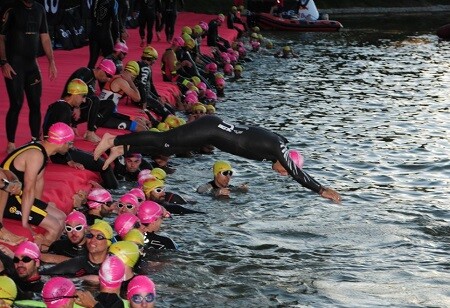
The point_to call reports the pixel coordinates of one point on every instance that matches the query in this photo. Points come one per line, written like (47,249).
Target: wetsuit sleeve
(74,267)
(205,188)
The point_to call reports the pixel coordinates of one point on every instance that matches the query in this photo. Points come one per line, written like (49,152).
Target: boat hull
(269,22)
(444,32)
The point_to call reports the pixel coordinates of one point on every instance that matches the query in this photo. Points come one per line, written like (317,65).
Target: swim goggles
(226,173)
(98,236)
(127,205)
(158,190)
(25,259)
(107,203)
(138,299)
(76,228)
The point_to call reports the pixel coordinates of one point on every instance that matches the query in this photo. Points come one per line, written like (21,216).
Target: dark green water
(369,109)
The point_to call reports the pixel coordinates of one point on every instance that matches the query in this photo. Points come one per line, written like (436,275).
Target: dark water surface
(369,108)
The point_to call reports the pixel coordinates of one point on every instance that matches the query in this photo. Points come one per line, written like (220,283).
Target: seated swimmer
(220,186)
(254,143)
(72,246)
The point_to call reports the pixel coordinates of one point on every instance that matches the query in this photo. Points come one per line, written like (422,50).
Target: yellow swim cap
(135,236)
(103,227)
(159,173)
(150,52)
(286,48)
(172,121)
(150,184)
(221,165)
(196,80)
(238,68)
(163,127)
(154,129)
(185,37)
(190,43)
(77,86)
(8,289)
(133,68)
(186,29)
(126,251)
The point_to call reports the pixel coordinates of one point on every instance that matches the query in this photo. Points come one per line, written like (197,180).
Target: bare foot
(92,137)
(106,143)
(10,238)
(115,152)
(10,147)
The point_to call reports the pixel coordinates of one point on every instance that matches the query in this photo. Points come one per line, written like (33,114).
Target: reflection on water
(369,109)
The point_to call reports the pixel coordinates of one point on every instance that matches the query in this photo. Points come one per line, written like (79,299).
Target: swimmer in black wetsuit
(249,142)
(97,243)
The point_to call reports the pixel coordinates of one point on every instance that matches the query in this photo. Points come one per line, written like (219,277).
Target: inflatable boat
(444,32)
(270,22)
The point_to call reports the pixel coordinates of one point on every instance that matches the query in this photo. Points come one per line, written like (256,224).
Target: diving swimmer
(245,141)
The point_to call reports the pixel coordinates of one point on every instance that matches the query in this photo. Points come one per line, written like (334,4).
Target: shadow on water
(368,107)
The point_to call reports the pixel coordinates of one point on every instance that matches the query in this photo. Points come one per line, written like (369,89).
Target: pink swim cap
(191,99)
(228,68)
(108,67)
(139,193)
(60,133)
(56,292)
(232,58)
(145,177)
(131,199)
(201,86)
(144,171)
(112,272)
(124,223)
(28,249)
(76,217)
(220,82)
(97,197)
(204,25)
(149,212)
(225,57)
(210,94)
(212,67)
(122,47)
(297,158)
(140,285)
(178,41)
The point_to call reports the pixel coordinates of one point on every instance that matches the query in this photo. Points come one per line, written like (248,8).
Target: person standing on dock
(24,28)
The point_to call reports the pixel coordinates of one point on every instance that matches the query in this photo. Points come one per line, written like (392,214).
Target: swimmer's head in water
(135,236)
(98,197)
(125,222)
(149,212)
(151,184)
(104,228)
(112,272)
(58,292)
(159,173)
(8,290)
(178,41)
(221,166)
(141,285)
(60,133)
(76,217)
(128,252)
(139,193)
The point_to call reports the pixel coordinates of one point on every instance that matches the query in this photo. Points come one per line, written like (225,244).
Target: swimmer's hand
(331,194)
(75,165)
(222,192)
(243,187)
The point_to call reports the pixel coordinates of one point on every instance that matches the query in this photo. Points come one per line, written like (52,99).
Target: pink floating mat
(62,182)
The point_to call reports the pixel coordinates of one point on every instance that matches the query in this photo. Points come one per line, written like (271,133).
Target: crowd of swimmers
(84,244)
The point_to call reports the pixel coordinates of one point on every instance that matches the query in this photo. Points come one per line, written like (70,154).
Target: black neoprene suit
(249,142)
(22,28)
